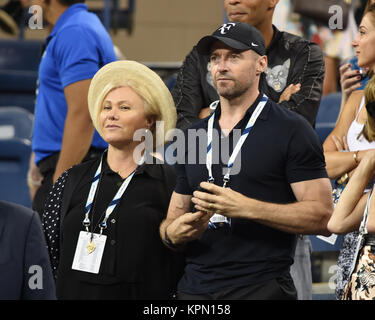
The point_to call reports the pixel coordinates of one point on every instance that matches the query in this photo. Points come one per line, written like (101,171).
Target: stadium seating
(15,148)
(15,122)
(14,164)
(19,61)
(327,115)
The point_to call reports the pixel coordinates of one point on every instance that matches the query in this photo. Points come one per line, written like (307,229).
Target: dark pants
(281,288)
(47,168)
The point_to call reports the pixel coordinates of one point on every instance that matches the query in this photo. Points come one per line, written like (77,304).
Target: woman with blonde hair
(349,210)
(101,220)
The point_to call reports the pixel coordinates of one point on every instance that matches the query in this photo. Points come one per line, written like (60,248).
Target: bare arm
(181,225)
(78,130)
(34,178)
(348,213)
(308,215)
(338,162)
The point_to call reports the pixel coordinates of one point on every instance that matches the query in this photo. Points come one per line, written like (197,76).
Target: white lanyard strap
(239,144)
(90,198)
(113,203)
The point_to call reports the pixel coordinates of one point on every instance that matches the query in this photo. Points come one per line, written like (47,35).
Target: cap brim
(205,44)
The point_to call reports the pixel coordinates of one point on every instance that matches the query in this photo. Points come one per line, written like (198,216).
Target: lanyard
(239,144)
(112,205)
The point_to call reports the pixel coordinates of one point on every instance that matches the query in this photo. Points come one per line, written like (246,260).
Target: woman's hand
(340,143)
(350,80)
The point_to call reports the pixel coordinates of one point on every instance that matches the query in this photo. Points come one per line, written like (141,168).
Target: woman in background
(360,137)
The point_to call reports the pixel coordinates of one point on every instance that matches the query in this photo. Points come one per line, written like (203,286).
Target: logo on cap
(254,44)
(226,27)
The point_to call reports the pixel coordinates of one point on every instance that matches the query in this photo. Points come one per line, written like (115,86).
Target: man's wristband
(169,242)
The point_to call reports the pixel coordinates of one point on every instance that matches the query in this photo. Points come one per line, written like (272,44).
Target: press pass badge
(89,252)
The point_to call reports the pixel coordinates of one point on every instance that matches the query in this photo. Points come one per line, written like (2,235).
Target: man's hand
(291,89)
(308,215)
(188,227)
(224,201)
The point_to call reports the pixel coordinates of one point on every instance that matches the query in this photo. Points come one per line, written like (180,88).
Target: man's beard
(232,90)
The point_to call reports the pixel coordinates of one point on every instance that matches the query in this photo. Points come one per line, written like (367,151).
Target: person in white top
(354,133)
(347,136)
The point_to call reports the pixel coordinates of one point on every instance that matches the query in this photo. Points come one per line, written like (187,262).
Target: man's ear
(272,4)
(261,64)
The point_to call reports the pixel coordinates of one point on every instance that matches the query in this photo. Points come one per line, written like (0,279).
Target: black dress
(135,263)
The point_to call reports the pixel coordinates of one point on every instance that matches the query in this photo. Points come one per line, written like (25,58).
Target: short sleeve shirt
(281,149)
(77,48)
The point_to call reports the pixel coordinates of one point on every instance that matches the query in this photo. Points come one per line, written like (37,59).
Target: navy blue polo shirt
(77,48)
(282,148)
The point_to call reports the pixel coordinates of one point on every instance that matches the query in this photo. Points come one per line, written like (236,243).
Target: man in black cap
(293,78)
(240,241)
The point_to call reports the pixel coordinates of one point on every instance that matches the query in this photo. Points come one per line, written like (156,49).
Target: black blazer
(25,271)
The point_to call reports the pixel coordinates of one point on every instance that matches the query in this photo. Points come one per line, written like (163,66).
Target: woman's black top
(135,263)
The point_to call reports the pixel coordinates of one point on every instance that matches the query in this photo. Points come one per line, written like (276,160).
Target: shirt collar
(147,168)
(275,39)
(71,10)
(249,111)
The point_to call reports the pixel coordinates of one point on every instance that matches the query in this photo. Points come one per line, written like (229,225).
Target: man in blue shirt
(76,49)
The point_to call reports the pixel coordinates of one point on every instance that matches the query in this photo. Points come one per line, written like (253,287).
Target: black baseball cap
(237,35)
